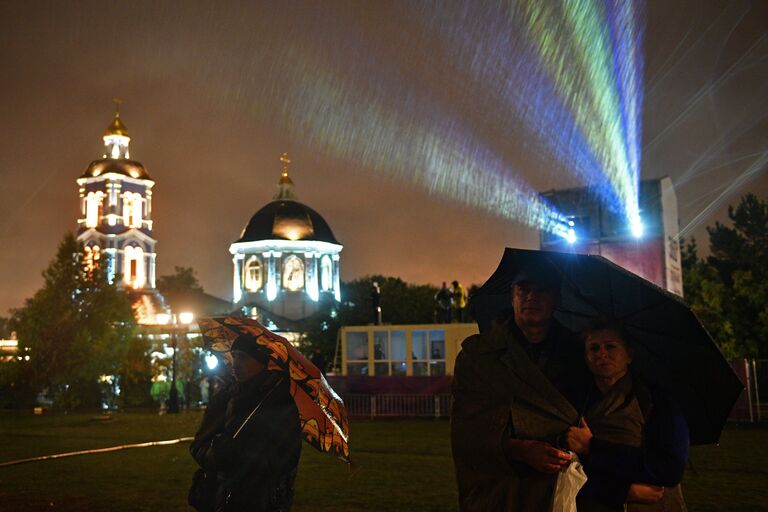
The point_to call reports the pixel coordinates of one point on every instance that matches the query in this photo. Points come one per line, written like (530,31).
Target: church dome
(130,168)
(117,127)
(287,219)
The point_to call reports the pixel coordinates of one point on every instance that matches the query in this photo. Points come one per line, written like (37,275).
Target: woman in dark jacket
(633,442)
(249,442)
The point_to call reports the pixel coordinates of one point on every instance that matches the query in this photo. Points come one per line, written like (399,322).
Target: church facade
(286,260)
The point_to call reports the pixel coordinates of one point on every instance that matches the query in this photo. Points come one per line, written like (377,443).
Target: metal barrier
(760,383)
(752,405)
(398,406)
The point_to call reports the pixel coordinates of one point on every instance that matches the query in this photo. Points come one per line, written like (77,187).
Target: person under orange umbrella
(249,442)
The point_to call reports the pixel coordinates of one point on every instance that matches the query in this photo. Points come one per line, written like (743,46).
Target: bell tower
(115,223)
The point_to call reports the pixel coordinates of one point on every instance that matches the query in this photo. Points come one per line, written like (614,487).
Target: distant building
(115,226)
(427,350)
(655,255)
(286,261)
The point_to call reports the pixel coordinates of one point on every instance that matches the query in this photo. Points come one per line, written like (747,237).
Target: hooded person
(509,388)
(249,442)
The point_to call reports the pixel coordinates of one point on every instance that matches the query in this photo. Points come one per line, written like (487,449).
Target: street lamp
(175,322)
(212,363)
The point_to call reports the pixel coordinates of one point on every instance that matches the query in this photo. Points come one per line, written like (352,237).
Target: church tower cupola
(116,139)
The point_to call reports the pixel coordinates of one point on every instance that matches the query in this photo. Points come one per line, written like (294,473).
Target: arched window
(133,268)
(92,255)
(132,209)
(326,273)
(293,273)
(93,205)
(252,275)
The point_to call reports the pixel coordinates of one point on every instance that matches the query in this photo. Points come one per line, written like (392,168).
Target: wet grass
(402,466)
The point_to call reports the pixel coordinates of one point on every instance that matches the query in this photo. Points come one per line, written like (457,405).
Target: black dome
(287,220)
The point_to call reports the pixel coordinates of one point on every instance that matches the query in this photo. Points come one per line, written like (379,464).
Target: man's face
(244,366)
(533,303)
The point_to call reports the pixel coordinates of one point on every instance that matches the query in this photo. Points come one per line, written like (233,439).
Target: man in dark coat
(443,299)
(249,443)
(509,391)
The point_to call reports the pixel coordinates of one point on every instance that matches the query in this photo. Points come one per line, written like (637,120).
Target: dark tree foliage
(183,279)
(76,328)
(729,290)
(401,303)
(135,374)
(5,331)
(704,292)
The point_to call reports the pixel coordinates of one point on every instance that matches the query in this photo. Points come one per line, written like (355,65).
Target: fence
(752,406)
(760,387)
(398,406)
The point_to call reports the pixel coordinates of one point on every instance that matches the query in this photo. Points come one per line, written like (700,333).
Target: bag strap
(234,436)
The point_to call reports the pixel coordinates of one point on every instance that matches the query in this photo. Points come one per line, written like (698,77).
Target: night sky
(214,92)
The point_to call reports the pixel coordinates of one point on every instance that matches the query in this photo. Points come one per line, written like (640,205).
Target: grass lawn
(403,466)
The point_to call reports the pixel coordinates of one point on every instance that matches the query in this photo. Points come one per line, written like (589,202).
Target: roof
(287,219)
(198,302)
(130,168)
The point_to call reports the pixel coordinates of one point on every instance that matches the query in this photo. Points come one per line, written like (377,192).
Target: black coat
(495,375)
(254,471)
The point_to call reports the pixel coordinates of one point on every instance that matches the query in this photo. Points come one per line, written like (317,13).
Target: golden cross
(286,162)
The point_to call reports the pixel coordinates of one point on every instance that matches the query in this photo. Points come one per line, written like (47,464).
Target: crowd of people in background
(451,304)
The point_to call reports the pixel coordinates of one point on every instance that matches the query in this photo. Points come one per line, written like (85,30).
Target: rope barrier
(98,450)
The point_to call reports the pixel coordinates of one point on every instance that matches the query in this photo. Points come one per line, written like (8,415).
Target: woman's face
(607,354)
(245,367)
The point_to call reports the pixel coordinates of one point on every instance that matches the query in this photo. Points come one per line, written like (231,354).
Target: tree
(729,290)
(135,374)
(704,292)
(76,328)
(739,256)
(401,303)
(5,332)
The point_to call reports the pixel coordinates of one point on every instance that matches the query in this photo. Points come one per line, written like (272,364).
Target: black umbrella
(672,350)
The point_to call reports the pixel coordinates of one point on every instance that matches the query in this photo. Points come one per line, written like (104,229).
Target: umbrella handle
(234,436)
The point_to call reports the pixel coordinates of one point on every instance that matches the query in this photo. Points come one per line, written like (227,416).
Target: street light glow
(211,361)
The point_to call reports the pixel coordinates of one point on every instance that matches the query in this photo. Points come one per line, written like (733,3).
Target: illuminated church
(115,226)
(286,261)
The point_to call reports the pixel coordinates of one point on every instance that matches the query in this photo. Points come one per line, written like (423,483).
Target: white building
(286,261)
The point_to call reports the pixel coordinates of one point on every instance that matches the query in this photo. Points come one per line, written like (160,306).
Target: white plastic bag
(570,480)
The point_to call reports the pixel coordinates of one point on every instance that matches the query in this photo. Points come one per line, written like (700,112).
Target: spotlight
(570,236)
(636,227)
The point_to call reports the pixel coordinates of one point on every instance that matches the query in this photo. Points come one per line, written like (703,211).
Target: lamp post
(175,322)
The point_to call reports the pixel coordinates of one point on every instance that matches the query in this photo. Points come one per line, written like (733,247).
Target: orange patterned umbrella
(322,413)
